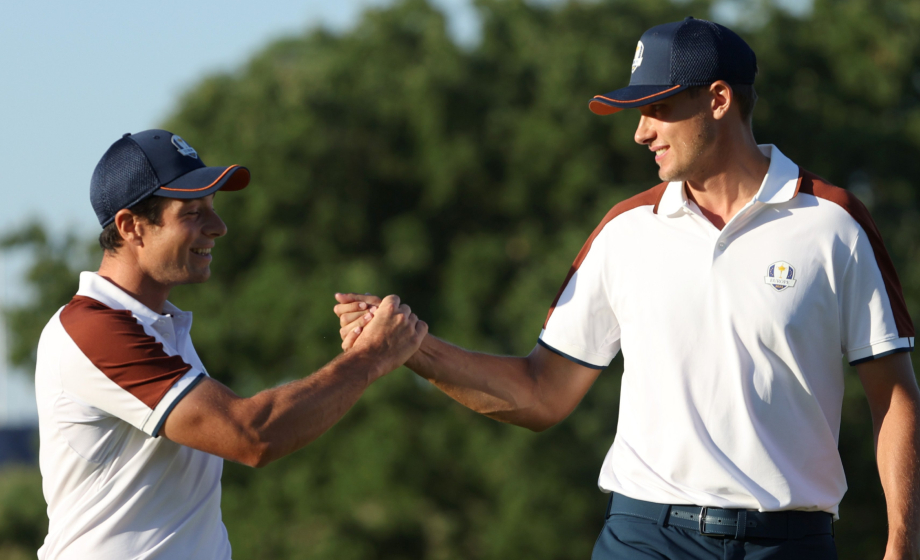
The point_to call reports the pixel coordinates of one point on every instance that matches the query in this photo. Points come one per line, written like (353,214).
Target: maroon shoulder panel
(650,197)
(810,183)
(117,344)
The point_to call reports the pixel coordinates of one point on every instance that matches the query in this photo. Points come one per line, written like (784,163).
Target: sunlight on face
(178,251)
(681,132)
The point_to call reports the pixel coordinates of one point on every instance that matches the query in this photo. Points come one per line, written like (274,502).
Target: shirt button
(722,245)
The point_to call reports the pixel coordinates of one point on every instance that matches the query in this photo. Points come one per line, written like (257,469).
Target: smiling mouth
(661,151)
(202,252)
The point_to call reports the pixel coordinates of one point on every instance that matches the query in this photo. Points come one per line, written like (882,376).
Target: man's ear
(130,227)
(723,98)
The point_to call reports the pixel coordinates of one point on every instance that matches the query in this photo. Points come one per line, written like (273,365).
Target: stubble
(692,151)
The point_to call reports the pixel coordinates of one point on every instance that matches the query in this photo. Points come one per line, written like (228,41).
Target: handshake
(384,329)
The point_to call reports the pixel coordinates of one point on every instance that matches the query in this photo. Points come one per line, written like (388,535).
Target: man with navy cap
(732,289)
(133,430)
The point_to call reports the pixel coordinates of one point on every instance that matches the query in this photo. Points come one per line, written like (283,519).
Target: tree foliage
(23,523)
(389,159)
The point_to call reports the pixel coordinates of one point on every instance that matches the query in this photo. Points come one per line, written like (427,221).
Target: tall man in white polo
(133,430)
(732,290)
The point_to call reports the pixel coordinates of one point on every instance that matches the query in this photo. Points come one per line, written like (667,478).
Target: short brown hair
(150,209)
(744,95)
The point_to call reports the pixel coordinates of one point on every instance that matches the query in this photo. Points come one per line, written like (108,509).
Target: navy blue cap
(674,56)
(155,163)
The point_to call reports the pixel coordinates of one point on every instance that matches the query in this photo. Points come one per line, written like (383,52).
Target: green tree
(23,522)
(389,159)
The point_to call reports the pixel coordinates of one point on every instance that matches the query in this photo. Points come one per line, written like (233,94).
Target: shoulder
(649,198)
(87,317)
(106,335)
(818,187)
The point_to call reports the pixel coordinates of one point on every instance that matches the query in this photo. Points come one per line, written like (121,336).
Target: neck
(121,269)
(722,189)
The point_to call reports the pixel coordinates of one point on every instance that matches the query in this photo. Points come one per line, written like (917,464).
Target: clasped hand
(394,329)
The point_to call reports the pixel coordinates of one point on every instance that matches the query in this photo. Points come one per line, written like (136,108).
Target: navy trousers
(625,537)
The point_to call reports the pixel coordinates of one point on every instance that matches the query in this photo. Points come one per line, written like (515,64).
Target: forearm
(898,445)
(284,419)
(257,430)
(500,387)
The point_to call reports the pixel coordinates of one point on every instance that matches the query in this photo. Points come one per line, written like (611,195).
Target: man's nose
(215,226)
(644,132)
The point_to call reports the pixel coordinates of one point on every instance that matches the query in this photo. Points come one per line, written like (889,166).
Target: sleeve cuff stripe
(882,355)
(568,357)
(172,405)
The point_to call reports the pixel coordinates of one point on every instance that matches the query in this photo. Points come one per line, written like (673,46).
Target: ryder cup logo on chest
(637,60)
(780,275)
(183,147)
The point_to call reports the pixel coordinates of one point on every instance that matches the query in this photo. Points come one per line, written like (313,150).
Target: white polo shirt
(108,373)
(732,339)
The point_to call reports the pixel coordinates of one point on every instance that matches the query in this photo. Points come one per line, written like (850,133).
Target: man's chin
(667,177)
(201,277)
(671,176)
(196,277)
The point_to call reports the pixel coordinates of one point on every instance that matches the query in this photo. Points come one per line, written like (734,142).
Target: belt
(734,523)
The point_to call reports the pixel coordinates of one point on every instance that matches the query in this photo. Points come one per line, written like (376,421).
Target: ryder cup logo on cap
(155,163)
(637,60)
(183,147)
(674,56)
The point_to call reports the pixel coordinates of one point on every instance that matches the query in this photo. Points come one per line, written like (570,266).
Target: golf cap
(158,163)
(675,56)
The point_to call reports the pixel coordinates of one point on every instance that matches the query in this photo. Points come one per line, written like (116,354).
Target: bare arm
(257,430)
(536,391)
(894,400)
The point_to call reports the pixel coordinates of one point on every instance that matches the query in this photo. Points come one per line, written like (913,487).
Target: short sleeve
(114,365)
(581,324)
(871,306)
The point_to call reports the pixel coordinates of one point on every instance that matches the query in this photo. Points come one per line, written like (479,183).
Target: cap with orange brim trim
(675,56)
(618,100)
(204,181)
(155,163)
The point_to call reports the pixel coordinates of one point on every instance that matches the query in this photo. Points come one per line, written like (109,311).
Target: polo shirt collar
(779,185)
(98,288)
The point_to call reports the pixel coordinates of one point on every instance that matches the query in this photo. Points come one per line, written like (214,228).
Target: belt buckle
(703,511)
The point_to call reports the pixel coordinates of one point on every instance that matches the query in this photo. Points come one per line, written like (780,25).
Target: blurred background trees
(389,159)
